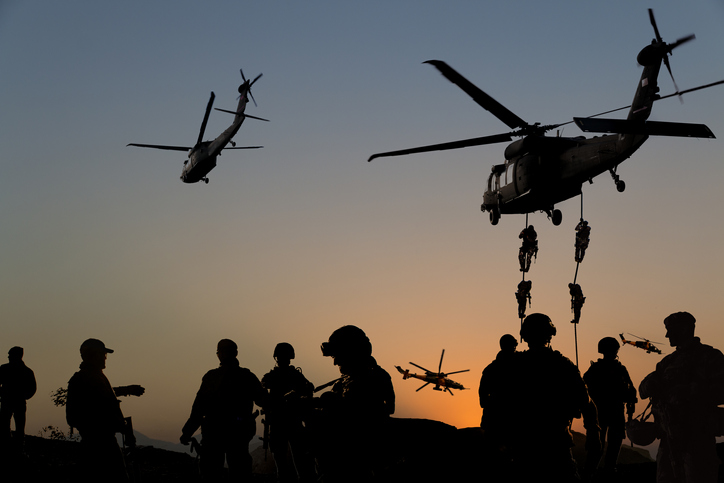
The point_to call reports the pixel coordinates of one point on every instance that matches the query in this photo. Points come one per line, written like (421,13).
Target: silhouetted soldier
(583,232)
(523,296)
(685,390)
(223,409)
(286,384)
(577,301)
(610,387)
(356,411)
(529,248)
(549,393)
(496,383)
(17,385)
(93,409)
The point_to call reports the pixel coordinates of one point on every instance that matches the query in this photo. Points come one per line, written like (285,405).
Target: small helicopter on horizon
(540,171)
(202,156)
(644,344)
(439,378)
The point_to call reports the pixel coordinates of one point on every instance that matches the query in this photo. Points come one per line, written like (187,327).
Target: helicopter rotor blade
(653,24)
(480,97)
(420,367)
(161,146)
(448,390)
(439,368)
(457,372)
(206,117)
(463,143)
(422,386)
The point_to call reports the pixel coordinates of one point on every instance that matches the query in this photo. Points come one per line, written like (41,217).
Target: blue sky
(301,237)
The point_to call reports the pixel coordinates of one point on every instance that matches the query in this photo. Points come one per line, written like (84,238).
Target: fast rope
(583,232)
(528,250)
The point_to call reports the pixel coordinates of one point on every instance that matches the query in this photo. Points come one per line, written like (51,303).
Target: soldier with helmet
(610,387)
(286,433)
(223,409)
(92,407)
(17,385)
(529,247)
(357,409)
(548,393)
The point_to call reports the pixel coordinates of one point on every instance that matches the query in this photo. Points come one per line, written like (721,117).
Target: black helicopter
(644,344)
(540,170)
(202,156)
(439,378)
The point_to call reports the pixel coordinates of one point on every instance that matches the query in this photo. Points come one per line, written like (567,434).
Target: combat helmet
(608,345)
(537,327)
(284,350)
(349,341)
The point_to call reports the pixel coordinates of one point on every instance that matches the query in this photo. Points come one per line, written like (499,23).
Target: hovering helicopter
(202,156)
(540,171)
(440,379)
(644,344)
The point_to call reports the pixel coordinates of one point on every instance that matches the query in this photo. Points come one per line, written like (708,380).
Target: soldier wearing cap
(93,409)
(286,385)
(685,390)
(610,387)
(548,394)
(17,385)
(223,410)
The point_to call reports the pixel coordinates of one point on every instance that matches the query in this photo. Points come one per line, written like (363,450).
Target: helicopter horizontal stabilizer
(651,128)
(158,146)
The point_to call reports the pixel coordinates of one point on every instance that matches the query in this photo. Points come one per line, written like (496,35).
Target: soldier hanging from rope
(577,301)
(529,248)
(522,295)
(583,232)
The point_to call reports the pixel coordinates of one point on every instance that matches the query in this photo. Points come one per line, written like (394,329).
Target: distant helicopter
(540,171)
(644,344)
(440,379)
(202,156)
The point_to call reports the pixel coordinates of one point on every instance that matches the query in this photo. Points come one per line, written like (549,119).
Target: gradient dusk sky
(292,241)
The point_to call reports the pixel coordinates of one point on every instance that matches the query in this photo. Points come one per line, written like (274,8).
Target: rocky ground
(55,460)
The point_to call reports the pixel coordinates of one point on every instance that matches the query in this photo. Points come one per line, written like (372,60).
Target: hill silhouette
(459,455)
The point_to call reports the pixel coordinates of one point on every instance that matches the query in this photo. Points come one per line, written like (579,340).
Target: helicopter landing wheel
(620,186)
(494,216)
(557,217)
(206,180)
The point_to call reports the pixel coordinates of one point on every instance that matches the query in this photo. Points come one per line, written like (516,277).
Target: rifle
(330,383)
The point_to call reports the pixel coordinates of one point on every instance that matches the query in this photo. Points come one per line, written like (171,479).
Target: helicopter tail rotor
(661,50)
(247,84)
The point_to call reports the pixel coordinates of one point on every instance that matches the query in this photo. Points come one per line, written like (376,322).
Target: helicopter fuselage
(541,171)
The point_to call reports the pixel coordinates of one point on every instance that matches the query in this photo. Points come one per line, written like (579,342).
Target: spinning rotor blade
(206,117)
(439,368)
(668,47)
(484,100)
(464,143)
(420,367)
(448,390)
(159,146)
(244,147)
(422,386)
(457,372)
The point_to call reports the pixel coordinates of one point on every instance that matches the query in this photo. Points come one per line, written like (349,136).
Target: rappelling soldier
(286,385)
(610,387)
(356,411)
(223,409)
(548,394)
(583,232)
(529,248)
(577,301)
(523,296)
